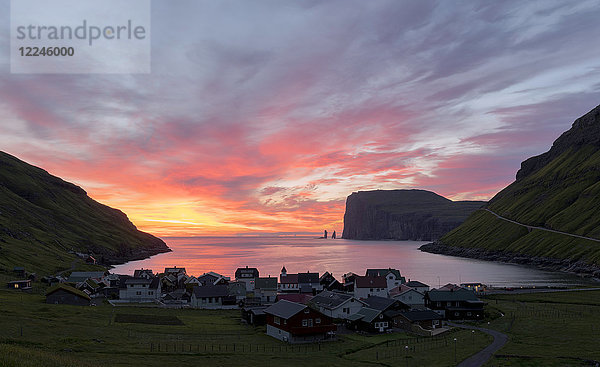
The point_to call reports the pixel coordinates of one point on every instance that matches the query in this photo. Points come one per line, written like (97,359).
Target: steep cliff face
(43,218)
(557,190)
(403,215)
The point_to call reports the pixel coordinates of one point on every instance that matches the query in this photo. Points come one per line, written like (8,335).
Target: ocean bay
(300,254)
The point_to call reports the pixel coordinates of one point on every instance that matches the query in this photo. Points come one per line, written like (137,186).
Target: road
(542,228)
(481,357)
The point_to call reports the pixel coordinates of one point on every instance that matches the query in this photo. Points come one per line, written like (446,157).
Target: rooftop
(285,309)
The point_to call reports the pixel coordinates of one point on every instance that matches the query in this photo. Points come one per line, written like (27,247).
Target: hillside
(403,215)
(558,190)
(42,218)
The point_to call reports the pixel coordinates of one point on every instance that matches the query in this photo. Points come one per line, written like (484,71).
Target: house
(309,283)
(19,271)
(370,286)
(449,287)
(191,282)
(254,315)
(459,304)
(385,304)
(336,305)
(348,281)
(144,273)
(295,297)
(168,283)
(89,286)
(370,320)
(212,297)
(238,289)
(266,289)
(392,276)
(66,295)
(140,290)
(475,287)
(328,282)
(112,280)
(174,271)
(247,275)
(418,286)
(288,282)
(409,296)
(19,284)
(419,321)
(51,280)
(90,260)
(82,276)
(178,296)
(212,278)
(297,323)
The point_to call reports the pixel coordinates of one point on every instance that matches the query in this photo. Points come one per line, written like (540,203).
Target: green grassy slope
(43,217)
(558,190)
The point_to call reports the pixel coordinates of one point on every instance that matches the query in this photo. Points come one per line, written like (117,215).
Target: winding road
(541,228)
(479,358)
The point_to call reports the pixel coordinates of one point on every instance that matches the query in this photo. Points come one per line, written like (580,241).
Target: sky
(263,116)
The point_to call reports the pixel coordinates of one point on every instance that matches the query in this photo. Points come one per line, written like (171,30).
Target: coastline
(579,268)
(140,254)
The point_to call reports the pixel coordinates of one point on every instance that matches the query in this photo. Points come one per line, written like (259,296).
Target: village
(296,307)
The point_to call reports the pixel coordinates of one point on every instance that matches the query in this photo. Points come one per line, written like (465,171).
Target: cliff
(43,219)
(403,215)
(558,190)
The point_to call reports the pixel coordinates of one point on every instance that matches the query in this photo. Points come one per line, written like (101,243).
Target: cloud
(264,116)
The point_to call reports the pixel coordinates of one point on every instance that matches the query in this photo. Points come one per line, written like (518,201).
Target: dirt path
(542,228)
(481,357)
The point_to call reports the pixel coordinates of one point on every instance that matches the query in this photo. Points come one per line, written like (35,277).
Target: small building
(248,276)
(370,320)
(475,287)
(82,276)
(175,271)
(392,276)
(19,271)
(417,320)
(212,297)
(238,289)
(212,278)
(309,283)
(288,283)
(19,284)
(67,295)
(90,260)
(418,286)
(266,289)
(144,273)
(297,323)
(370,286)
(178,296)
(348,281)
(409,296)
(336,305)
(140,290)
(459,304)
(328,282)
(254,315)
(295,297)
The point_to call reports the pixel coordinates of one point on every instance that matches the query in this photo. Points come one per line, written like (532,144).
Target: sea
(224,255)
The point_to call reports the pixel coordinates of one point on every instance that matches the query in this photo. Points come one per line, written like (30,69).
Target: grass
(547,329)
(564,195)
(37,334)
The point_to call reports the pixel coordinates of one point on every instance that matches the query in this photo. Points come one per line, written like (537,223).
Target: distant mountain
(557,190)
(43,218)
(403,215)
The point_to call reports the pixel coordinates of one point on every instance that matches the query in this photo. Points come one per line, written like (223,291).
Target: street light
(454,350)
(473,336)
(406,349)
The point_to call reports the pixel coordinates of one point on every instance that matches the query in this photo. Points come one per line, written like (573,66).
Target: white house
(408,296)
(140,290)
(337,305)
(418,286)
(370,286)
(288,282)
(248,276)
(392,276)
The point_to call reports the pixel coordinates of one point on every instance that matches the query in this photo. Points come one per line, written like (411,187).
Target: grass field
(33,333)
(547,329)
(550,329)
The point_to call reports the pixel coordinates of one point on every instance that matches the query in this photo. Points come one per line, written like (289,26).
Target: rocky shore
(545,263)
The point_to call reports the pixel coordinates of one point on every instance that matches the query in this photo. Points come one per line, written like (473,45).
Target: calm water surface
(300,254)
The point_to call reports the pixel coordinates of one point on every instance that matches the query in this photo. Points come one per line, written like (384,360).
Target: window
(150,293)
(371,290)
(317,321)
(304,322)
(306,310)
(277,320)
(456,314)
(468,314)
(409,297)
(138,293)
(310,322)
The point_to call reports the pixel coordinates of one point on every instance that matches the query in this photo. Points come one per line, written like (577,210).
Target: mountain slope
(403,215)
(42,218)
(559,190)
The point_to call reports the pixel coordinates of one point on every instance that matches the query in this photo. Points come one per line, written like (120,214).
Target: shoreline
(578,268)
